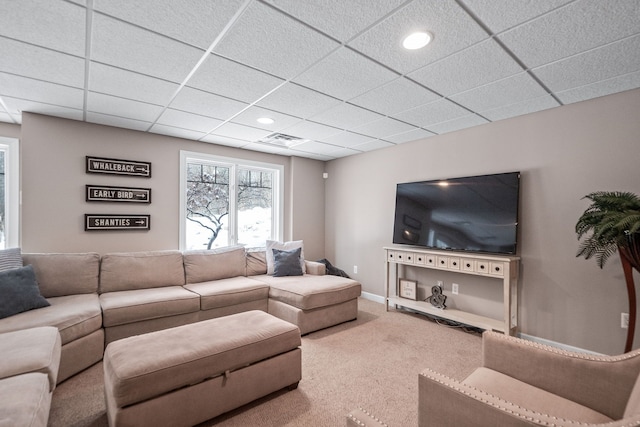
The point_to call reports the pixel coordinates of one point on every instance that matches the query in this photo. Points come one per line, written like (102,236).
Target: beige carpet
(372,363)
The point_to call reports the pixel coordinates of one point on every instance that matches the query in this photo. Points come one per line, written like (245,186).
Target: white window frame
(11,147)
(277,217)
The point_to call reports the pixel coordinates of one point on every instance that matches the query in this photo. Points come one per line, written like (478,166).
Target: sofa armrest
(443,401)
(603,383)
(315,268)
(361,418)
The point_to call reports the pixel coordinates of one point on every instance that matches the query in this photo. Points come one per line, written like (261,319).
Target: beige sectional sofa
(98,299)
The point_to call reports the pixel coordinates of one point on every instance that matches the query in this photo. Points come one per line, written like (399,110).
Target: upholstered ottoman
(313,302)
(188,374)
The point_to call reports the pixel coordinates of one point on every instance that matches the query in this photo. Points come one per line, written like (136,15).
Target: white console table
(502,268)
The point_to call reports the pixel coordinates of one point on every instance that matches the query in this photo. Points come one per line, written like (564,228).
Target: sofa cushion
(119,308)
(144,366)
(31,350)
(286,263)
(203,266)
(61,274)
(75,316)
(532,398)
(283,246)
(227,292)
(141,270)
(308,292)
(26,400)
(633,404)
(19,292)
(10,258)
(256,261)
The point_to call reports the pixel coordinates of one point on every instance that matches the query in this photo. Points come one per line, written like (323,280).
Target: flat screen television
(476,213)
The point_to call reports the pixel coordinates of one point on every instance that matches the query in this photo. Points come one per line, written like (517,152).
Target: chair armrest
(603,383)
(315,268)
(361,418)
(443,401)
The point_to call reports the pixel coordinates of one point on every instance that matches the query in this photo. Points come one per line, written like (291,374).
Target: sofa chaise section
(69,282)
(143,292)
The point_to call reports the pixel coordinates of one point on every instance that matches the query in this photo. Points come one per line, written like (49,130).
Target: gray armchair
(522,383)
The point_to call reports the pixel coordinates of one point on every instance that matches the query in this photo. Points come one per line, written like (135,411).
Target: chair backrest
(633,404)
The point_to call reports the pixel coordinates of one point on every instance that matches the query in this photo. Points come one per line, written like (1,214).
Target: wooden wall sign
(105,193)
(116,222)
(118,167)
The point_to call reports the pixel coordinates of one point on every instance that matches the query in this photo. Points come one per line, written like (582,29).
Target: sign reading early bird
(104,193)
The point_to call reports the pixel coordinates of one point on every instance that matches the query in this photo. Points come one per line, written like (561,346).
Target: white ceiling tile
(500,15)
(457,124)
(5,118)
(315,147)
(383,42)
(503,92)
(115,106)
(251,115)
(18,106)
(127,84)
(289,48)
(399,95)
(345,74)
(181,119)
(223,140)
(338,18)
(311,130)
(384,127)
(479,64)
(298,101)
(432,113)
(150,54)
(373,145)
(579,26)
(347,139)
(53,24)
(601,88)
(207,104)
(227,78)
(247,133)
(42,64)
(346,115)
(40,92)
(413,135)
(120,122)
(598,64)
(344,152)
(177,132)
(520,108)
(267,148)
(197,22)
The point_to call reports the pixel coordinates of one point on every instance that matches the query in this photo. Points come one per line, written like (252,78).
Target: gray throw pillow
(10,258)
(286,263)
(19,292)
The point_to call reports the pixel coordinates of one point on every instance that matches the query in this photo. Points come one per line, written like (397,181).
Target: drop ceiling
(331,73)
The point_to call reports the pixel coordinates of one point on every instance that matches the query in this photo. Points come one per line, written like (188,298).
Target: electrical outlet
(454,288)
(355,269)
(440,283)
(624,320)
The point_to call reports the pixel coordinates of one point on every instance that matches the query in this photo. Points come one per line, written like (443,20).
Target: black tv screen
(477,213)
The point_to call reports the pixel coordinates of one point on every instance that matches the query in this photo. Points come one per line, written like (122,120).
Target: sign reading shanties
(118,167)
(116,222)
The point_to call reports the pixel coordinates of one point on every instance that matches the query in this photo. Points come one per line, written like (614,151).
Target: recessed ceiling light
(417,40)
(266,120)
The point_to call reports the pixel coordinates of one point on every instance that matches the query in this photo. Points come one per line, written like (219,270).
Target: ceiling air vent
(282,140)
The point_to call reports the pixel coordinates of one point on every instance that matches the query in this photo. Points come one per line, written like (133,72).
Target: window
(9,193)
(225,201)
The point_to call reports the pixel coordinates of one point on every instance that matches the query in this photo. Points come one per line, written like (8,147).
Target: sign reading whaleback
(118,167)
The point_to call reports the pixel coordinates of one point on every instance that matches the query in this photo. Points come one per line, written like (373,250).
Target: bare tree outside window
(208,206)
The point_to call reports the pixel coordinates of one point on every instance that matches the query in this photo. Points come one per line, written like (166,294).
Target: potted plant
(613,221)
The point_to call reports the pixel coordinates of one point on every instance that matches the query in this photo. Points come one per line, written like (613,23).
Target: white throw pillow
(283,246)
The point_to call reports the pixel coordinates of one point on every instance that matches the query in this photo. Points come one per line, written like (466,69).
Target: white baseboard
(380,299)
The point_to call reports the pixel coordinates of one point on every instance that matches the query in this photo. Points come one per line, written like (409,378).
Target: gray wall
(53,180)
(563,154)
